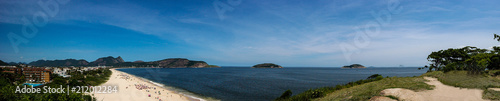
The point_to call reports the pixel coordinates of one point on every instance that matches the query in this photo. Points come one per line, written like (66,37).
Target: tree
(472,59)
(497,37)
(494,62)
(478,63)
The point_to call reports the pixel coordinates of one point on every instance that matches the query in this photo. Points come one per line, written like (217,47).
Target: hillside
(3,63)
(55,63)
(107,61)
(119,62)
(431,86)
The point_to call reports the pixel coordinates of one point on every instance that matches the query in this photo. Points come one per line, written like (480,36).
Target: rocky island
(267,65)
(354,66)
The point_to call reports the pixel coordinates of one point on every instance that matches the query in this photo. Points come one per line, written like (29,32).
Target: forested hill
(119,62)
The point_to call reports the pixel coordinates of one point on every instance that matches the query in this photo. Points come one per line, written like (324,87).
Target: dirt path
(441,92)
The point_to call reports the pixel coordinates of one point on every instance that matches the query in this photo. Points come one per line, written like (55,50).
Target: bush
(321,92)
(287,94)
(491,94)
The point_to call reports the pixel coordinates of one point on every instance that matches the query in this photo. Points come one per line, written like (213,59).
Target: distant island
(118,62)
(267,65)
(354,66)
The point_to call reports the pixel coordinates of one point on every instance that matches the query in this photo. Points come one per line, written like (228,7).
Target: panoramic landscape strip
(451,70)
(249,50)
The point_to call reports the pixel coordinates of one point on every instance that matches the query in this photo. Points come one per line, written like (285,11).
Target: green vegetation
(464,80)
(88,78)
(287,94)
(471,59)
(354,66)
(368,90)
(392,97)
(376,83)
(468,67)
(267,65)
(491,94)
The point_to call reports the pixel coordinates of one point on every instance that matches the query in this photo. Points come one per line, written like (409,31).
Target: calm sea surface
(240,83)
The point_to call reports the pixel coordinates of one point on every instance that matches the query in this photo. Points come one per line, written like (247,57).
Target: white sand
(440,93)
(449,93)
(132,93)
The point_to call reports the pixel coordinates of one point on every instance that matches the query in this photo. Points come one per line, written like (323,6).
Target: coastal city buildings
(31,74)
(36,74)
(42,74)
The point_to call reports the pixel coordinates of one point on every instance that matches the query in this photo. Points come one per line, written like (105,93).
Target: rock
(267,65)
(107,61)
(402,94)
(212,66)
(354,66)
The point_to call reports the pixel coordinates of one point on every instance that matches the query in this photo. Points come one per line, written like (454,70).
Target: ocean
(261,84)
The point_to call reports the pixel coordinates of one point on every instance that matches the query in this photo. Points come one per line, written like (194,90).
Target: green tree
(472,59)
(494,62)
(478,63)
(497,37)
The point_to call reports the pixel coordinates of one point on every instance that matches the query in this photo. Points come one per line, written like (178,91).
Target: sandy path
(128,92)
(441,92)
(449,93)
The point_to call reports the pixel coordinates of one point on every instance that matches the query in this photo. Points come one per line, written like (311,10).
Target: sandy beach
(131,88)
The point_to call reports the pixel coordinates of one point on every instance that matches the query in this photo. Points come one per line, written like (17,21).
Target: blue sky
(286,32)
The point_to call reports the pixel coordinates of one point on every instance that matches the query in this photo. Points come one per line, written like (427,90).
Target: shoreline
(133,88)
(169,88)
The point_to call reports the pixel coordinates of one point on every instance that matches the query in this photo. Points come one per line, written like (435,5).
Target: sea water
(245,83)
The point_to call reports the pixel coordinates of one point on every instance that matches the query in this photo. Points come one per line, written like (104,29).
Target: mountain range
(3,63)
(119,62)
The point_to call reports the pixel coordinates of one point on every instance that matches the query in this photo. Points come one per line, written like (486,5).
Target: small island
(267,65)
(354,66)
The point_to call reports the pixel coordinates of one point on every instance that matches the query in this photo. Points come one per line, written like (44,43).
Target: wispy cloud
(288,32)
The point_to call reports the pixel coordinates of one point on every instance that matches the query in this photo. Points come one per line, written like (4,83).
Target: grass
(392,97)
(321,92)
(366,91)
(491,94)
(463,80)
